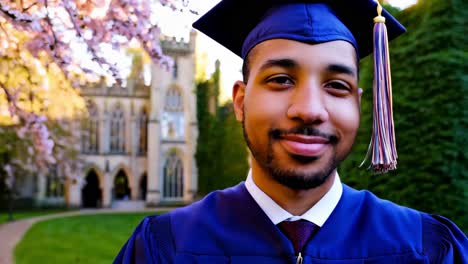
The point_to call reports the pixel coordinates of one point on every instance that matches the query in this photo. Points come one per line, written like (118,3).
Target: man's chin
(304,160)
(302,165)
(297,179)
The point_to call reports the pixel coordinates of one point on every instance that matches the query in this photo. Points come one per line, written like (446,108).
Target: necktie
(299,232)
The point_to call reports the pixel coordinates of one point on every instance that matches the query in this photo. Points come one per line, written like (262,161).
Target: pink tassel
(382,148)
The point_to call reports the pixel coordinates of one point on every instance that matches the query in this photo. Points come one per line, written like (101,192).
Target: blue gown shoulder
(149,243)
(391,229)
(443,241)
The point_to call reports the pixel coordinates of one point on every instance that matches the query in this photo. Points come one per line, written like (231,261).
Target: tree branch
(13,16)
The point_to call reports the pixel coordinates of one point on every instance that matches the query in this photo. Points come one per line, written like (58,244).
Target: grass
(22,214)
(77,239)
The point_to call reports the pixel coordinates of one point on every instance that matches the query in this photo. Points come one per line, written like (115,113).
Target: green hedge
(430,90)
(221,152)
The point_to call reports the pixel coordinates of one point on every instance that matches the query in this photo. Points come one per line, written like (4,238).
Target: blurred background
(113,110)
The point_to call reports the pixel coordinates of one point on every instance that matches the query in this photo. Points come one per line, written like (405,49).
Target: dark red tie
(299,232)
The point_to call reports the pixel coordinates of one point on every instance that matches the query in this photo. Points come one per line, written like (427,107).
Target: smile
(303,145)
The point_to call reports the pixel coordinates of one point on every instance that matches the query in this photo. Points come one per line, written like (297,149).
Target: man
(299,107)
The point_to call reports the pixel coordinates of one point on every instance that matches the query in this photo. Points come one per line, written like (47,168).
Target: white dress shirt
(317,214)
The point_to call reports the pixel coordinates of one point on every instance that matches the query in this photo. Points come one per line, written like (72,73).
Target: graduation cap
(240,25)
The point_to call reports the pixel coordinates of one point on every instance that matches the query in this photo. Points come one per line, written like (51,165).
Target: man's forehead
(333,52)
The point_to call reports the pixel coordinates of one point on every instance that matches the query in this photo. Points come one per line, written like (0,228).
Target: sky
(179,25)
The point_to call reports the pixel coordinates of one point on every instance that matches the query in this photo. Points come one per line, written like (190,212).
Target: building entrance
(91,194)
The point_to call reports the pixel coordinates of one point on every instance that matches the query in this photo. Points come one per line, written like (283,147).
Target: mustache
(277,133)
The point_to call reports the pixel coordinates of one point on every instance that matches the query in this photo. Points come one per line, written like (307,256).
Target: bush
(431,114)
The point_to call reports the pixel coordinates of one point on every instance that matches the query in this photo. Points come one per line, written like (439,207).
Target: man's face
(299,109)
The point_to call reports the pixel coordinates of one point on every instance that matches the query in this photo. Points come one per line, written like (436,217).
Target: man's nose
(308,104)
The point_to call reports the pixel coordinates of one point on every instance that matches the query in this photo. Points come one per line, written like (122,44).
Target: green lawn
(77,239)
(17,215)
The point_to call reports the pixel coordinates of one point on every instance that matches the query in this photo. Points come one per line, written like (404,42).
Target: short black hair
(246,68)
(246,64)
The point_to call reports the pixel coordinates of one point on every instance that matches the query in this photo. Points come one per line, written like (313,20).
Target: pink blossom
(47,25)
(10,179)
(8,169)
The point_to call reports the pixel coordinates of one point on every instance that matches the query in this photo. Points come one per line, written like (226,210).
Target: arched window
(143,132)
(121,187)
(173,185)
(173,115)
(117,130)
(54,186)
(90,130)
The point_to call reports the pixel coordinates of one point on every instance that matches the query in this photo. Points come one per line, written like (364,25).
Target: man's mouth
(310,146)
(304,141)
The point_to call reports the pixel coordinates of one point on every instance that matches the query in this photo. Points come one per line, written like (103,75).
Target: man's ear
(238,95)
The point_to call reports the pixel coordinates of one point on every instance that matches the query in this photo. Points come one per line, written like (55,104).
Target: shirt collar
(317,214)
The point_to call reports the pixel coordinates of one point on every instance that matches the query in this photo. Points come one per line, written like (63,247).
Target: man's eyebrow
(284,63)
(341,68)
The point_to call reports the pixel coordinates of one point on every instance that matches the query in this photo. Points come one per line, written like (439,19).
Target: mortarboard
(230,22)
(239,25)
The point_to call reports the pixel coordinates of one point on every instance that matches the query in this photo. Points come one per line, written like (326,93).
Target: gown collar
(317,214)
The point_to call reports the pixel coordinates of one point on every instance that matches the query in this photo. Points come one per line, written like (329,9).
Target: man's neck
(296,202)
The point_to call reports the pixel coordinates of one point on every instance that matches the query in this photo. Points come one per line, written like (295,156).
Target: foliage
(221,152)
(54,25)
(234,161)
(207,143)
(16,160)
(78,239)
(430,110)
(7,179)
(30,94)
(37,104)
(37,99)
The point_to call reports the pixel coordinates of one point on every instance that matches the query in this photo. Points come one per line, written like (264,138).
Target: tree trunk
(10,206)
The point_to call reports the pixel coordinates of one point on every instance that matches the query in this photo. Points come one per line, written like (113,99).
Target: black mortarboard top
(230,21)
(240,25)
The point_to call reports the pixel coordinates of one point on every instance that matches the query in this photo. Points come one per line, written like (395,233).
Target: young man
(299,107)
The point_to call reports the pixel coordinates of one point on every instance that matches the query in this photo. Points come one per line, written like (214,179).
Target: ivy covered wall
(429,75)
(221,151)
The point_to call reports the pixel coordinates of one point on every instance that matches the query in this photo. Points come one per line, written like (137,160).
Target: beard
(292,178)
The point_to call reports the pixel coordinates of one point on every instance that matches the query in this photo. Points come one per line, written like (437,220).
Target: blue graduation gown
(229,227)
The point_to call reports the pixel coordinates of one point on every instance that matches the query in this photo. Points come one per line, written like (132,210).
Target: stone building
(139,142)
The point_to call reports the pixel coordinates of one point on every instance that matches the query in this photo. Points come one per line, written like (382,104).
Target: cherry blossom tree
(64,43)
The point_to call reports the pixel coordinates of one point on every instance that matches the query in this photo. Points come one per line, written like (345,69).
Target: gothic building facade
(138,144)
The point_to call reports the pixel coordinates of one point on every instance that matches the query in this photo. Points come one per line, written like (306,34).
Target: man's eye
(284,80)
(338,86)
